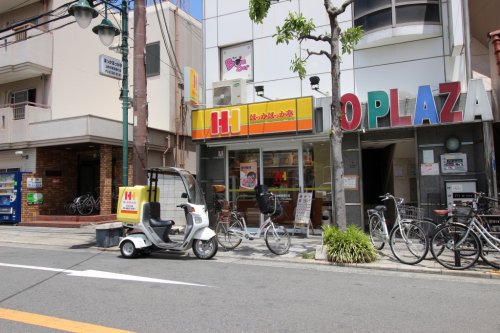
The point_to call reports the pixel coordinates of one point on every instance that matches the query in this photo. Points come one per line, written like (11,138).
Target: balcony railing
(16,119)
(18,61)
(19,111)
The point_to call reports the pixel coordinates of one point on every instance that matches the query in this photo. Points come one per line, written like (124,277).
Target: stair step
(68,221)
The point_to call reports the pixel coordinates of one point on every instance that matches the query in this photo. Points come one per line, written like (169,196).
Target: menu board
(303,210)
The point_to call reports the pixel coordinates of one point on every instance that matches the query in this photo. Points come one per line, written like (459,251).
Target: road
(172,293)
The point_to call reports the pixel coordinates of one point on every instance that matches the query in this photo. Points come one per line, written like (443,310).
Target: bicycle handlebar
(388,196)
(478,195)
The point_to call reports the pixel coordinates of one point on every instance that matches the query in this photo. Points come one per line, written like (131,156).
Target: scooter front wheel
(128,250)
(205,249)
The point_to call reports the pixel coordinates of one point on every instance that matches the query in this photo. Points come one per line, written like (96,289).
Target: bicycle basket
(483,206)
(461,213)
(407,212)
(269,204)
(219,201)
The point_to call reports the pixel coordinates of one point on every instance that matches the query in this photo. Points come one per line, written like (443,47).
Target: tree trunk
(336,132)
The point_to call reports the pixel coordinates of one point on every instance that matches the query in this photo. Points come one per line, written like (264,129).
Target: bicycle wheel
(408,243)
(489,254)
(70,208)
(460,247)
(277,239)
(377,232)
(225,233)
(429,228)
(85,206)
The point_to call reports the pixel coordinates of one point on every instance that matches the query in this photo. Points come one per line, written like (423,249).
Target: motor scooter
(139,210)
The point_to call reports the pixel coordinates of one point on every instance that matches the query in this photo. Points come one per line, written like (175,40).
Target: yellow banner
(283,116)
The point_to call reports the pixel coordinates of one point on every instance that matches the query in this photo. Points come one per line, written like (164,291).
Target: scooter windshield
(195,194)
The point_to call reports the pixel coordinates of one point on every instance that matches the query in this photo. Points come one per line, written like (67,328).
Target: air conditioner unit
(229,92)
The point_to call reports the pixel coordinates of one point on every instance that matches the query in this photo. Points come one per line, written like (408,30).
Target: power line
(31,19)
(171,57)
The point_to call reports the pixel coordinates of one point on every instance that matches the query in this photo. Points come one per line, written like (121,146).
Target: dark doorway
(88,173)
(377,173)
(377,176)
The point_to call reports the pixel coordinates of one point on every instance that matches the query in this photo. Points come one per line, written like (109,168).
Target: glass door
(281,173)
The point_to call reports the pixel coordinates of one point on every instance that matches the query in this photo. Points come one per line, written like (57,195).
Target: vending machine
(10,197)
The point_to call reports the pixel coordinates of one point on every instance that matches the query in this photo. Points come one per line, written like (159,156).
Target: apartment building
(420,94)
(62,120)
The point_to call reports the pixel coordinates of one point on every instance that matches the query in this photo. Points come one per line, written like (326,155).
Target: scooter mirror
(184,195)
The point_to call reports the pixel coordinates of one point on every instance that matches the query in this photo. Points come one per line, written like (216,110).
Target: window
(153,59)
(19,100)
(236,62)
(377,14)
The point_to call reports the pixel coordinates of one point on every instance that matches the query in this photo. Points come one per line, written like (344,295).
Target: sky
(196,9)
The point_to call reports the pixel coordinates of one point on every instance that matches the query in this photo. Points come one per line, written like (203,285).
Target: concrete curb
(256,251)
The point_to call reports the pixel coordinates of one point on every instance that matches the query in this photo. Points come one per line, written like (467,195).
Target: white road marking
(102,275)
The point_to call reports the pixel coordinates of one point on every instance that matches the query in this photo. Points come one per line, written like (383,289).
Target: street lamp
(84,12)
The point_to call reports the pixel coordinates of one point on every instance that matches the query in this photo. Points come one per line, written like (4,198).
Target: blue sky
(196,9)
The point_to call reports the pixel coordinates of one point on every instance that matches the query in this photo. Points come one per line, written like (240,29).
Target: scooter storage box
(130,201)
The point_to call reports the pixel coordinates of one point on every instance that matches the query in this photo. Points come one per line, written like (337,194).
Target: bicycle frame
(399,220)
(476,227)
(245,234)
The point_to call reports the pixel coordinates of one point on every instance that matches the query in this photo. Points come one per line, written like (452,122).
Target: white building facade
(67,118)
(419,94)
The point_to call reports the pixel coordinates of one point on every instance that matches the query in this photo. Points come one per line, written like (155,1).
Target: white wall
(405,65)
(78,89)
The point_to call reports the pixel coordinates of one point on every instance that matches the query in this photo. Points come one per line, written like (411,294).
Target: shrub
(349,246)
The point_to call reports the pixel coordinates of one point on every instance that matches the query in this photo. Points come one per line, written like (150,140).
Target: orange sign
(191,85)
(283,116)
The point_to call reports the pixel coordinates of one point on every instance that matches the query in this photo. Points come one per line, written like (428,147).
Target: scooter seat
(158,223)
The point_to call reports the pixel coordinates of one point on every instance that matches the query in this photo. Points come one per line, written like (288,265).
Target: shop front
(423,149)
(271,143)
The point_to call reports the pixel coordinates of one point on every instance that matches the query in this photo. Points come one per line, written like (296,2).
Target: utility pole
(140,154)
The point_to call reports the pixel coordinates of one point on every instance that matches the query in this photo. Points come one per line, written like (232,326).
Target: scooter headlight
(197,219)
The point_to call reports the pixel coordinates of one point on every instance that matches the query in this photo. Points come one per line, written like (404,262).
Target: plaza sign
(381,105)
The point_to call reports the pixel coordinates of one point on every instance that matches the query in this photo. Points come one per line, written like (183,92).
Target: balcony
(29,124)
(25,54)
(15,121)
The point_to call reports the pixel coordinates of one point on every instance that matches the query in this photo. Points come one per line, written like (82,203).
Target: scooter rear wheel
(205,249)
(128,250)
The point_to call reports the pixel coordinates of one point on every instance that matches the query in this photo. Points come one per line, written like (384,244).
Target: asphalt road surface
(87,290)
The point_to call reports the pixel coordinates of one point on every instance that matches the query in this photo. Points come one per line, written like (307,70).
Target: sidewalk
(85,237)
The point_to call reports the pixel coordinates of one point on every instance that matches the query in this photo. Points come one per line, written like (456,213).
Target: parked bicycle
(466,236)
(87,204)
(408,240)
(70,207)
(231,226)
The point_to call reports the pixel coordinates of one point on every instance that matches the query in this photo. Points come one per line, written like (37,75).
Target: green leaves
(349,38)
(299,66)
(258,10)
(296,26)
(349,246)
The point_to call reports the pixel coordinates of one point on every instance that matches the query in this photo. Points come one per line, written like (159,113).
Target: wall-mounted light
(21,154)
(259,90)
(315,85)
(452,144)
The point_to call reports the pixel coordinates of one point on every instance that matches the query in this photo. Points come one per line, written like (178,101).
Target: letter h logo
(128,195)
(224,122)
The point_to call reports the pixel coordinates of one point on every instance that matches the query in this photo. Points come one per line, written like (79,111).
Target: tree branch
(342,8)
(334,11)
(322,52)
(322,38)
